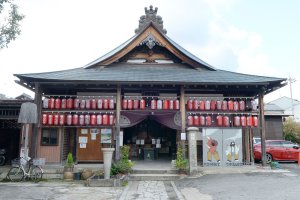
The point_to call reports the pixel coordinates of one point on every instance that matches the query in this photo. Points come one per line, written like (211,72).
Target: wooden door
(91,151)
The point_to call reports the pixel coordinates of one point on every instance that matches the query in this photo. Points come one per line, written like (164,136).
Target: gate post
(193,168)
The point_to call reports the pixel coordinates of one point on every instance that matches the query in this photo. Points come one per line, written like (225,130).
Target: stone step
(154,171)
(154,177)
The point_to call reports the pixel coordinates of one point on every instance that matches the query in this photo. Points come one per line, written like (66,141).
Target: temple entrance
(150,140)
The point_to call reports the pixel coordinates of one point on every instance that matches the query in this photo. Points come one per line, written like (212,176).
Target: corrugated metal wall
(274,128)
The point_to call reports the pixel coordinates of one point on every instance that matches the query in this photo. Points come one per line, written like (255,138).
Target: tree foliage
(291,130)
(9,22)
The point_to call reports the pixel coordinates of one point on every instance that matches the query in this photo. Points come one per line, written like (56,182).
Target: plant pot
(86,174)
(68,176)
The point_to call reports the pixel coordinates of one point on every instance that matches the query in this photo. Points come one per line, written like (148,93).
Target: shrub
(124,165)
(180,162)
(70,161)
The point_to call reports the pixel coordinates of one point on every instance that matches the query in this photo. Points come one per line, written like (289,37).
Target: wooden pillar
(262,128)
(183,113)
(118,114)
(251,145)
(247,145)
(36,127)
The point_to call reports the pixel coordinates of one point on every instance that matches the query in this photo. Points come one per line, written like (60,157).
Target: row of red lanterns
(224,105)
(75,119)
(166,104)
(78,103)
(222,121)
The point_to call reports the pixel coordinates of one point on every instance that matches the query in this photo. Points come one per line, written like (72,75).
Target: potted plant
(181,162)
(69,167)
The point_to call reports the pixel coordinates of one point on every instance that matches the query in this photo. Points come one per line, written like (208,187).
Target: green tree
(9,22)
(291,130)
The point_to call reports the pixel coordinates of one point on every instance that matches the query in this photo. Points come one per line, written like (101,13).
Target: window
(49,137)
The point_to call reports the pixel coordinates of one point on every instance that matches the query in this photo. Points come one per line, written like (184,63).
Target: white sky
(253,37)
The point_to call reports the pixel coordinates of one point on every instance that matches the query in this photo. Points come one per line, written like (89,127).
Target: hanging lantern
(56,119)
(195,104)
(61,120)
(99,119)
(226,121)
(50,119)
(135,104)
(64,103)
(255,121)
(125,104)
(190,120)
(111,104)
(208,120)
(69,119)
(177,104)
(81,120)
(69,103)
(87,119)
(201,105)
(88,104)
(142,104)
(93,104)
(130,104)
(75,119)
(213,104)
(105,119)
(219,120)
(224,105)
(44,118)
(159,104)
(190,104)
(51,103)
(249,120)
(254,105)
(207,105)
(236,105)
(202,120)
(76,103)
(100,104)
(219,105)
(105,104)
(242,105)
(230,105)
(171,104)
(82,104)
(236,121)
(166,104)
(46,103)
(196,120)
(153,104)
(243,121)
(93,119)
(111,119)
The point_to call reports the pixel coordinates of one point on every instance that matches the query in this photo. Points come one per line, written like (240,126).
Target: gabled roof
(285,102)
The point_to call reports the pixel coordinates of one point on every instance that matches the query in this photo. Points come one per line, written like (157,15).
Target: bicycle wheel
(15,174)
(36,174)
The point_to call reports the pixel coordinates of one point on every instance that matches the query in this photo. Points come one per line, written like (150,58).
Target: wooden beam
(262,128)
(183,116)
(118,114)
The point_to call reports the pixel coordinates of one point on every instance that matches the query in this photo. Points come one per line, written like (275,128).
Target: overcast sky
(254,37)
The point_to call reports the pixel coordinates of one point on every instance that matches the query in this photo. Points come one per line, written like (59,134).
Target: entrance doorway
(150,140)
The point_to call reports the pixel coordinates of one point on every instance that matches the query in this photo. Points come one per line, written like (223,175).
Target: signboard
(106,135)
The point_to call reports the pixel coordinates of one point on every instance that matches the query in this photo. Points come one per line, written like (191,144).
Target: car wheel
(269,158)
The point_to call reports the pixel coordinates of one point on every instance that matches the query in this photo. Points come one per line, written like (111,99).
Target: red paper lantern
(196,120)
(69,119)
(243,121)
(105,119)
(242,105)
(82,104)
(93,104)
(226,121)
(76,103)
(201,105)
(208,120)
(230,105)
(171,104)
(207,105)
(142,104)
(63,103)
(69,103)
(190,120)
(159,104)
(57,103)
(236,105)
(153,104)
(125,104)
(88,104)
(249,120)
(224,105)
(135,104)
(87,119)
(50,119)
(56,119)
(255,121)
(99,119)
(177,104)
(93,119)
(81,120)
(195,104)
(130,104)
(100,104)
(219,120)
(61,119)
(111,119)
(236,121)
(213,104)
(51,103)
(75,119)
(111,104)
(219,105)
(105,104)
(166,104)
(44,118)
(202,120)
(46,103)
(190,104)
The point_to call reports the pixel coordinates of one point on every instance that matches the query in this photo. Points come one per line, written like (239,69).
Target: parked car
(280,150)
(256,140)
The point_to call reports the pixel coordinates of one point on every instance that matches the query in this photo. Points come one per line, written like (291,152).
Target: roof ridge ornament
(150,17)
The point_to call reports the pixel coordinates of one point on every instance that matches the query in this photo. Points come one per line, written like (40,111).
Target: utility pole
(291,80)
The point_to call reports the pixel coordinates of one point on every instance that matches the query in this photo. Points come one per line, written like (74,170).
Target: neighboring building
(274,116)
(10,130)
(146,93)
(291,107)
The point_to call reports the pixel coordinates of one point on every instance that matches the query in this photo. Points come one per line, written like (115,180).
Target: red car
(280,150)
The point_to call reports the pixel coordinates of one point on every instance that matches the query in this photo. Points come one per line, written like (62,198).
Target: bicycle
(18,173)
